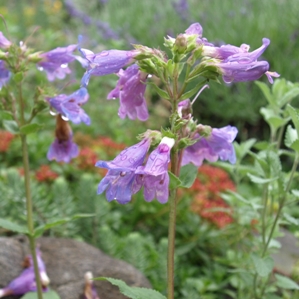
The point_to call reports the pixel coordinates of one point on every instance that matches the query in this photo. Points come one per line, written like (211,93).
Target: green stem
(30,216)
(29,208)
(281,204)
(171,232)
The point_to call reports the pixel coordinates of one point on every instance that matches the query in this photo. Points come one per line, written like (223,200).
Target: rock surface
(67,261)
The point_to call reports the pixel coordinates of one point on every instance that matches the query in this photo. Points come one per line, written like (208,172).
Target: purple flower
(248,57)
(63,149)
(130,90)
(4,74)
(119,181)
(217,146)
(237,64)
(105,62)
(55,62)
(224,51)
(26,281)
(194,28)
(240,72)
(70,105)
(154,175)
(4,42)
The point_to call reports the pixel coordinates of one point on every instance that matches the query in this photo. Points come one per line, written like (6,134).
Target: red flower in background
(5,140)
(207,203)
(45,174)
(87,159)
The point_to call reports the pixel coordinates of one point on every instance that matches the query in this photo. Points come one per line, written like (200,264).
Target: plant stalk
(30,216)
(171,232)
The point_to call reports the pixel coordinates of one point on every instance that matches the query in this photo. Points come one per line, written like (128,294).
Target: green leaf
(192,91)
(291,219)
(289,96)
(294,115)
(259,180)
(295,192)
(263,266)
(286,283)
(266,91)
(133,292)
(18,77)
(7,224)
(11,126)
(291,139)
(273,119)
(162,93)
(174,181)
(46,295)
(30,128)
(40,230)
(188,175)
(5,115)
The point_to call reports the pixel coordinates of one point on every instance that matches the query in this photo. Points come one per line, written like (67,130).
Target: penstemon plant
(162,161)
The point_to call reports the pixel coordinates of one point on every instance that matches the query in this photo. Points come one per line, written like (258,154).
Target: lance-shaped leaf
(291,139)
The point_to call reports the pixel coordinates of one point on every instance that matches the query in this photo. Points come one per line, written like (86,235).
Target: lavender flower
(240,72)
(154,175)
(55,62)
(224,51)
(70,105)
(237,64)
(216,146)
(26,281)
(105,62)
(63,149)
(120,178)
(196,29)
(130,90)
(4,42)
(4,74)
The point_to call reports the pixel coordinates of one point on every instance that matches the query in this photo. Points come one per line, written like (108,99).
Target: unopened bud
(204,131)
(180,44)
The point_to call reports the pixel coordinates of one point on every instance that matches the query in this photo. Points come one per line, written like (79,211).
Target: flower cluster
(127,173)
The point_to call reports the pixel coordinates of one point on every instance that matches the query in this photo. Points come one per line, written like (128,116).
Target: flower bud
(180,44)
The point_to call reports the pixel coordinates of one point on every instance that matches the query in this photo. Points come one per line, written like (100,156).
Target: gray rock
(67,261)
(288,255)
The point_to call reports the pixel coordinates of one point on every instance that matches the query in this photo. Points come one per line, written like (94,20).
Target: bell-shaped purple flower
(4,42)
(224,51)
(217,146)
(119,180)
(70,105)
(105,62)
(154,175)
(4,74)
(130,90)
(55,62)
(248,57)
(240,72)
(63,149)
(26,281)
